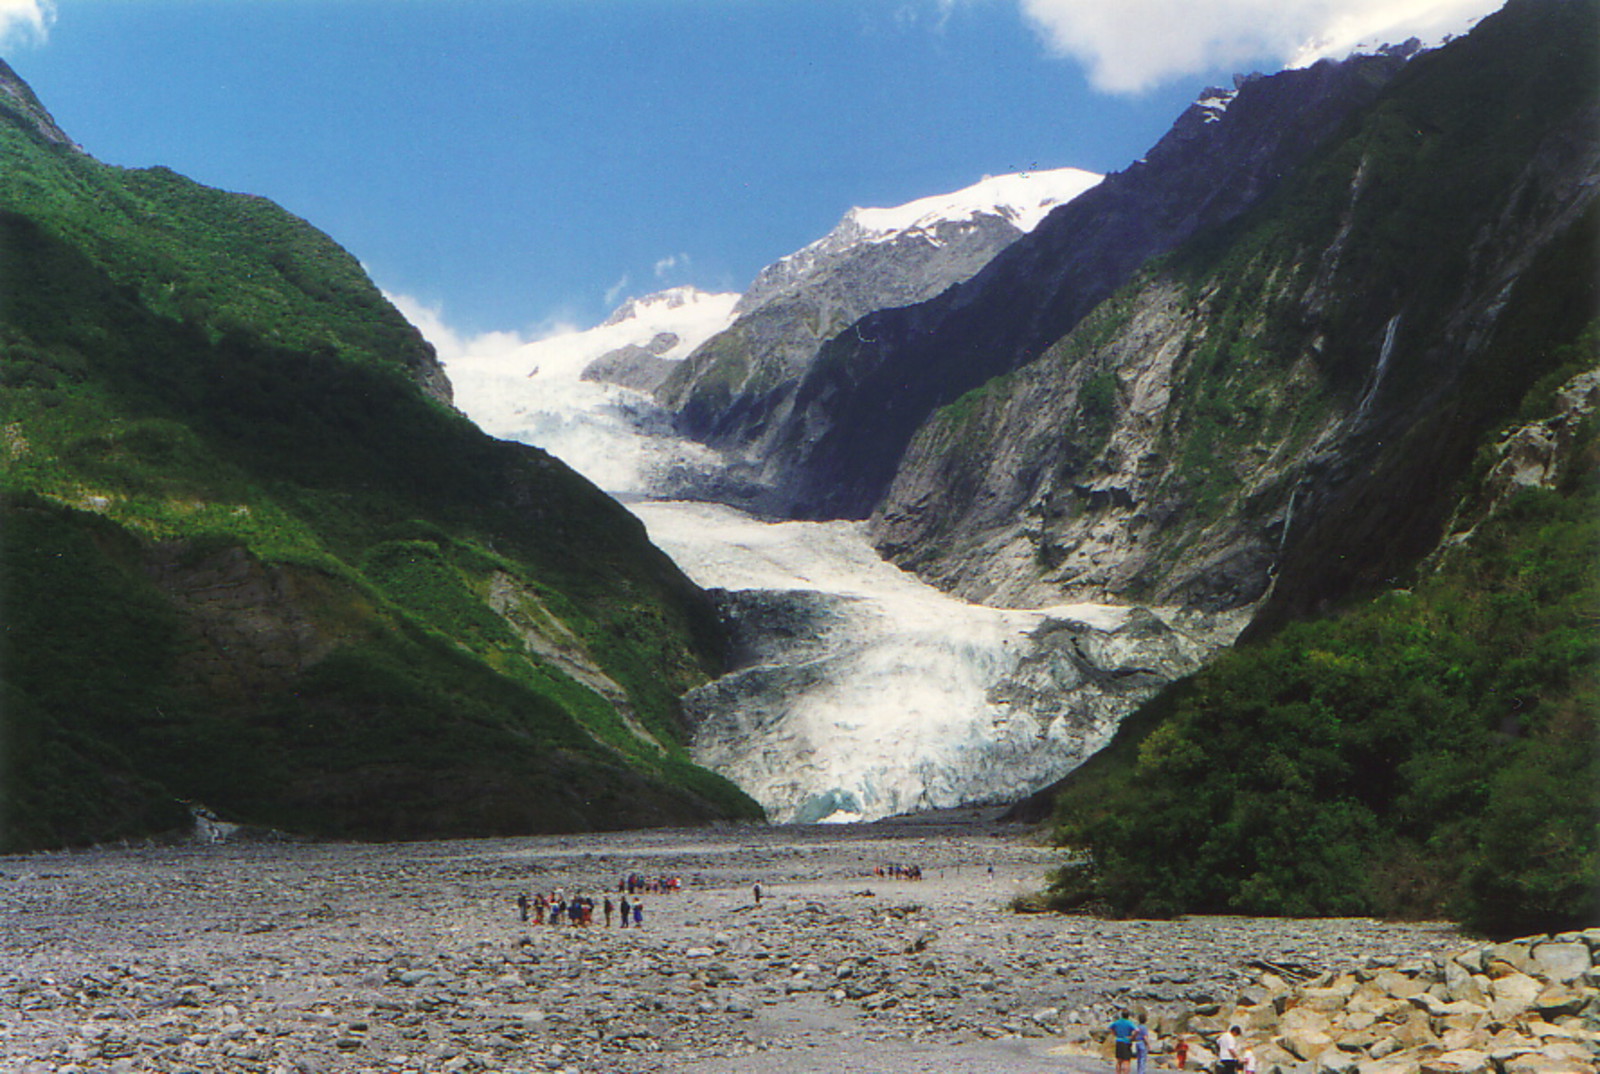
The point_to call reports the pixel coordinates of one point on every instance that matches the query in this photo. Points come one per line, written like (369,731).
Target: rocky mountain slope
(738,388)
(254,560)
(1367,408)
(1287,404)
(844,427)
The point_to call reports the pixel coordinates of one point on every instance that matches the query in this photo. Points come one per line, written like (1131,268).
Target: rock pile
(1530,1006)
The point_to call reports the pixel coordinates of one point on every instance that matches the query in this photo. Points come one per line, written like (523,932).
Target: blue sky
(515,165)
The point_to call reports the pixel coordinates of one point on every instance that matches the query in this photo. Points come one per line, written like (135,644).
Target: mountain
(739,386)
(832,448)
(1282,408)
(1365,409)
(254,561)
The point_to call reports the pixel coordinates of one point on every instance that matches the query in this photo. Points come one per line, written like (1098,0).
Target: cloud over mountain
(25,22)
(1129,46)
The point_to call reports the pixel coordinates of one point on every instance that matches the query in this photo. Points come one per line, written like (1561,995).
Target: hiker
(638,915)
(522,906)
(609,910)
(1228,1051)
(757,890)
(626,910)
(1122,1039)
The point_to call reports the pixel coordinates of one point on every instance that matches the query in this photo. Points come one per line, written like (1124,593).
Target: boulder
(1453,1039)
(1394,1064)
(1400,985)
(1544,1030)
(1270,1057)
(1557,999)
(1535,1063)
(1562,962)
(1336,1061)
(1463,1061)
(1305,1044)
(1513,995)
(1502,958)
(1415,1031)
(1438,1008)
(1324,999)
(1302,1019)
(1260,1018)
(1462,985)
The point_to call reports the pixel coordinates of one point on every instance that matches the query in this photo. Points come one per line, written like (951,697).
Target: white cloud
(615,292)
(1129,46)
(25,22)
(668,264)
(452,345)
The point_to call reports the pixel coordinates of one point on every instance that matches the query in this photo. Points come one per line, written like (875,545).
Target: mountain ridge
(255,561)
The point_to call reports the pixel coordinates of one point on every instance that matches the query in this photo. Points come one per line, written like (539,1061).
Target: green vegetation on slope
(1429,746)
(248,558)
(1432,751)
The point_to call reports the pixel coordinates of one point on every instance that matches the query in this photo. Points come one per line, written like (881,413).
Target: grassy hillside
(252,560)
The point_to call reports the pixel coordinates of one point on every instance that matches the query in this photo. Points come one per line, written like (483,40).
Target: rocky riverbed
(323,958)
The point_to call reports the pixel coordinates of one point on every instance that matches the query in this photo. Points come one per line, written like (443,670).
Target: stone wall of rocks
(1530,1006)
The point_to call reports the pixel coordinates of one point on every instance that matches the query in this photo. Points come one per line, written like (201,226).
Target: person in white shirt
(1228,1052)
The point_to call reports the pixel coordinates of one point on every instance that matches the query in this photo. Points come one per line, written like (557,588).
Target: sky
(522,166)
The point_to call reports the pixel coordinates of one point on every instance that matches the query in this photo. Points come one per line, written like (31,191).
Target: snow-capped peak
(1023,198)
(685,314)
(662,303)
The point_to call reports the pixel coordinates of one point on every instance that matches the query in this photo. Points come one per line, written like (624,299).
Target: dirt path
(334,958)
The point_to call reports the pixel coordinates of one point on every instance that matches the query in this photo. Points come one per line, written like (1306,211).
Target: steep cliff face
(253,558)
(1285,405)
(872,386)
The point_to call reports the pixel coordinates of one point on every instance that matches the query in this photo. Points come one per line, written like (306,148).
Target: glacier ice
(859,691)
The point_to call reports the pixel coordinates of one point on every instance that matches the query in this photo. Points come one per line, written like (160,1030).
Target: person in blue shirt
(1122,1037)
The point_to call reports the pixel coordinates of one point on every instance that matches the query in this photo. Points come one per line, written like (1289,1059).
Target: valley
(342,958)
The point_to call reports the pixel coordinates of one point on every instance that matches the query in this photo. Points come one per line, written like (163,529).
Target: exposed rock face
(737,390)
(737,383)
(637,366)
(1282,418)
(872,386)
(17,96)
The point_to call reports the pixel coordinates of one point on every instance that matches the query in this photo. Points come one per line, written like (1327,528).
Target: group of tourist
(558,908)
(1132,1043)
(639,884)
(899,872)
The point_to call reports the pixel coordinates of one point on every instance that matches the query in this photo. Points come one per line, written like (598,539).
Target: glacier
(856,691)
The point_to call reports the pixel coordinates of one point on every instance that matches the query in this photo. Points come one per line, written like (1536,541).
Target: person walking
(1180,1053)
(522,906)
(627,909)
(1122,1041)
(758,892)
(1141,1047)
(1228,1051)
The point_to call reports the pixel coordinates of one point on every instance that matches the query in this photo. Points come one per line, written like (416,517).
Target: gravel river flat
(328,958)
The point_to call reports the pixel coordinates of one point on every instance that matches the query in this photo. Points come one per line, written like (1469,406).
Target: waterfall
(1384,353)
